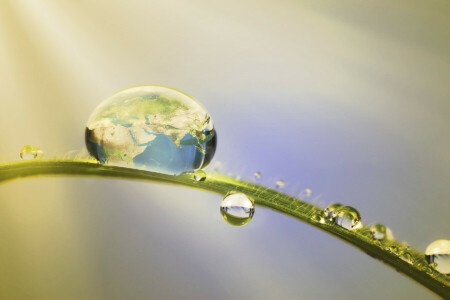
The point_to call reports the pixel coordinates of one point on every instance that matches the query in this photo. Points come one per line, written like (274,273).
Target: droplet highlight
(279,184)
(257,175)
(381,232)
(347,217)
(200,175)
(438,255)
(237,209)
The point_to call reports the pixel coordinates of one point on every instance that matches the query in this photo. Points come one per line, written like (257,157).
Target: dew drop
(318,217)
(315,218)
(30,152)
(438,255)
(393,249)
(347,217)
(237,209)
(217,166)
(39,153)
(279,184)
(257,175)
(381,232)
(330,211)
(152,127)
(406,256)
(306,193)
(200,175)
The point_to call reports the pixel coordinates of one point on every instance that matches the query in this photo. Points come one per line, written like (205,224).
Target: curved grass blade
(405,260)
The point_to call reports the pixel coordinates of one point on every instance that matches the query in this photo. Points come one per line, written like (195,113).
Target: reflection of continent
(116,141)
(177,125)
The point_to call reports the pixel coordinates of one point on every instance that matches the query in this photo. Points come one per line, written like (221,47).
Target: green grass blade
(389,252)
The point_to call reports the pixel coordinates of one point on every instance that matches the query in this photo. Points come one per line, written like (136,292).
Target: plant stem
(389,252)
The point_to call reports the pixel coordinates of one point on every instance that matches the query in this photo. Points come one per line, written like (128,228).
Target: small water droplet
(200,175)
(306,193)
(330,211)
(317,217)
(237,209)
(406,256)
(347,217)
(438,255)
(381,232)
(217,166)
(39,153)
(393,249)
(428,270)
(257,175)
(30,152)
(279,184)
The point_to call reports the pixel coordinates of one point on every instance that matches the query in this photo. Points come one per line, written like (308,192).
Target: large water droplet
(257,175)
(152,127)
(237,209)
(279,184)
(31,152)
(438,252)
(200,175)
(347,217)
(381,232)
(330,211)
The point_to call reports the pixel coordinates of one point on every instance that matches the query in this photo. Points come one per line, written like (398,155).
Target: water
(347,217)
(318,217)
(438,254)
(237,209)
(381,232)
(31,152)
(306,193)
(406,256)
(279,184)
(200,175)
(152,127)
(257,175)
(330,211)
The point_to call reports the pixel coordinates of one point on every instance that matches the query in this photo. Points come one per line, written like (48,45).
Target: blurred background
(348,98)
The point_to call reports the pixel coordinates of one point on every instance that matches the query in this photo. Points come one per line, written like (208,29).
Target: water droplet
(279,184)
(200,175)
(30,152)
(153,127)
(306,193)
(394,249)
(438,252)
(217,166)
(257,175)
(381,232)
(39,153)
(406,256)
(428,270)
(347,217)
(237,209)
(317,217)
(330,211)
